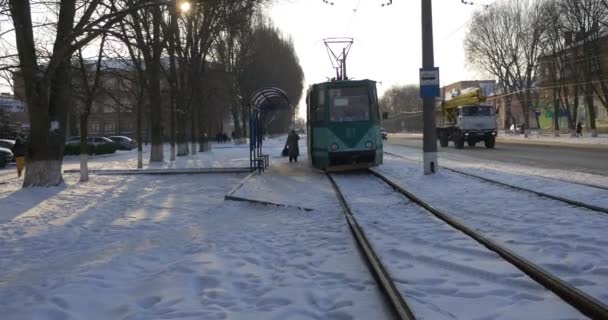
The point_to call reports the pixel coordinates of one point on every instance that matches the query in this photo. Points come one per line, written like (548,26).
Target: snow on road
(149,247)
(441,272)
(569,242)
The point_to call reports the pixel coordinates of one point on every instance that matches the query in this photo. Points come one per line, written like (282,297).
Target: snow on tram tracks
(441,272)
(551,194)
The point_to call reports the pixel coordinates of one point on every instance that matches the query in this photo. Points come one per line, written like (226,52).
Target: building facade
(114,107)
(578,77)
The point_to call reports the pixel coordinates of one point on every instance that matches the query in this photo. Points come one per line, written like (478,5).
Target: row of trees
(404,105)
(159,46)
(521,42)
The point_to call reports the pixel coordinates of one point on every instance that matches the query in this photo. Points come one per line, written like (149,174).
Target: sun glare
(185,6)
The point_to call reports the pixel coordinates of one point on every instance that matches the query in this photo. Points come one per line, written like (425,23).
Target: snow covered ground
(522,173)
(570,242)
(171,247)
(441,272)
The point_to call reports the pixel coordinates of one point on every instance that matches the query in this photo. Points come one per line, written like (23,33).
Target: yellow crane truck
(466,118)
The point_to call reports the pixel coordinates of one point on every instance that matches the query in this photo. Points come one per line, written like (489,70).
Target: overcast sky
(387,45)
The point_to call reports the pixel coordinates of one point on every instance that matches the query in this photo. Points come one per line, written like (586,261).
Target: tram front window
(348,104)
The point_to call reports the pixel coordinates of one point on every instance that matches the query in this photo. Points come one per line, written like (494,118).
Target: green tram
(343,121)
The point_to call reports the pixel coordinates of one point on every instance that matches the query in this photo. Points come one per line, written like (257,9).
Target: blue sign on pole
(429,83)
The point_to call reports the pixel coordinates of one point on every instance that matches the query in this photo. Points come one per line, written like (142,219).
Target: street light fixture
(185,6)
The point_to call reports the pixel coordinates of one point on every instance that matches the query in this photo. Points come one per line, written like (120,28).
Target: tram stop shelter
(264,104)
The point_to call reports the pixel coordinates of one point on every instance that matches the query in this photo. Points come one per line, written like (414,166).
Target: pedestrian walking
(292,146)
(579,129)
(19,150)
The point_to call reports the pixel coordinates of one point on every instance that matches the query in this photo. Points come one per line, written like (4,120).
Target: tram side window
(320,106)
(349,104)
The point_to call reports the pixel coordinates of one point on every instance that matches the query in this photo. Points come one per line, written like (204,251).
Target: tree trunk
(245,120)
(590,109)
(138,122)
(575,109)
(194,127)
(556,112)
(84,155)
(48,100)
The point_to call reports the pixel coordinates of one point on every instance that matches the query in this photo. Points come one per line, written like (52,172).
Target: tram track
(576,298)
(538,193)
(396,301)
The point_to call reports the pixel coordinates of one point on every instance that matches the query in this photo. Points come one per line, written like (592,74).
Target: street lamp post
(429,89)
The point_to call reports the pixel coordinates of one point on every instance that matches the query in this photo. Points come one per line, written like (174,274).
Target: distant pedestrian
(292,146)
(579,129)
(512,128)
(19,150)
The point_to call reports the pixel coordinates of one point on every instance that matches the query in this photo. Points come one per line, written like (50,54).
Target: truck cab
(473,123)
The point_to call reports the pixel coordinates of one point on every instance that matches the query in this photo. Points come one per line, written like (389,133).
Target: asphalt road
(589,160)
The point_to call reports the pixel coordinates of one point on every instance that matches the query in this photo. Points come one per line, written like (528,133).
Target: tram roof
(345,83)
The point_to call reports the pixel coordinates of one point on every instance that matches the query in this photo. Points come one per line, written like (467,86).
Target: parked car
(99,141)
(72,141)
(8,144)
(95,141)
(383,133)
(123,143)
(6,156)
(95,145)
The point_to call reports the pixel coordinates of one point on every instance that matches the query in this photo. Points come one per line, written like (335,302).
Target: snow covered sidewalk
(549,139)
(170,247)
(535,138)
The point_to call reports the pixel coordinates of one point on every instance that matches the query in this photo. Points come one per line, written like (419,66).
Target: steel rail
(400,307)
(581,301)
(538,193)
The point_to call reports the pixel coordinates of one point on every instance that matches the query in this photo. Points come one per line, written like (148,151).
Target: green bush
(74,149)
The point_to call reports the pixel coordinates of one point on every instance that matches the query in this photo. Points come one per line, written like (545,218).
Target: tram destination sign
(429,83)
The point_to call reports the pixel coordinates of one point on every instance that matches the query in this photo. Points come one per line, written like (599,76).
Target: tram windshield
(349,104)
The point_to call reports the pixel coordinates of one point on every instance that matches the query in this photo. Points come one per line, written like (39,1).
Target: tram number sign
(429,83)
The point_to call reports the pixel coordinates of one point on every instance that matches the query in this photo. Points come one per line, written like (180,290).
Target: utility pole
(429,90)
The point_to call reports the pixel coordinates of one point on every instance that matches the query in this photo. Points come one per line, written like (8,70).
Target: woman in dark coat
(292,146)
(579,129)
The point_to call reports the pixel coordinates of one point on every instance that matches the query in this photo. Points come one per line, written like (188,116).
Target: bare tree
(273,63)
(583,19)
(505,40)
(46,73)
(89,91)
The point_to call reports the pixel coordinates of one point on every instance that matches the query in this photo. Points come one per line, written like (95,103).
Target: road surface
(582,159)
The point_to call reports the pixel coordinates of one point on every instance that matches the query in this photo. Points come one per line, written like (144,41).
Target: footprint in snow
(148,302)
(60,302)
(203,283)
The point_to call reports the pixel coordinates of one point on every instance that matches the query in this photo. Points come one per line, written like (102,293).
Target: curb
(231,197)
(554,144)
(265,203)
(163,171)
(502,140)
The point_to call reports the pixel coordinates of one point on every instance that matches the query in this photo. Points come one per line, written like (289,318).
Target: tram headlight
(333,147)
(369,145)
